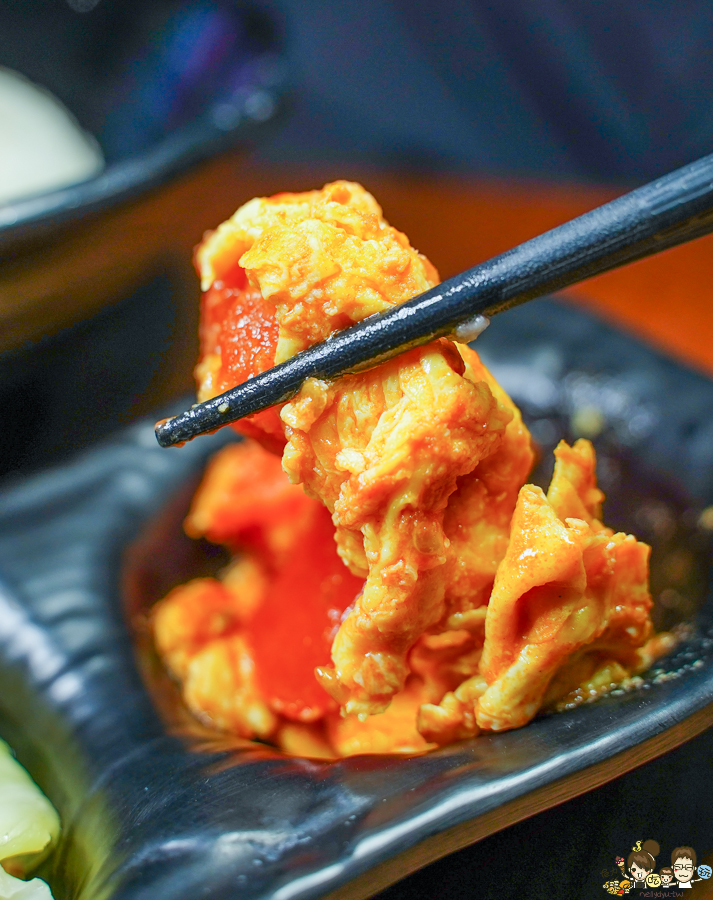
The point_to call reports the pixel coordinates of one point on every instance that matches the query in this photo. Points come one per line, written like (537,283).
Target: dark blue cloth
(562,88)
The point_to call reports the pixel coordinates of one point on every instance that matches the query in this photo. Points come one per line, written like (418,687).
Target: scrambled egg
(464,598)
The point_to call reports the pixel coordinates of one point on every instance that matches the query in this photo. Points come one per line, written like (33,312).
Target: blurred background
(476,124)
(556,89)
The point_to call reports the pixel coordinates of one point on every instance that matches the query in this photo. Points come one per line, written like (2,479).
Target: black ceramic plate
(148,813)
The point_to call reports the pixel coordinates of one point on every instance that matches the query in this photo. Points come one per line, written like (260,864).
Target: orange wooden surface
(458,221)
(668,299)
(455,220)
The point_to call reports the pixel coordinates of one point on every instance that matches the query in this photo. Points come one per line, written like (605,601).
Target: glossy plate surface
(152,811)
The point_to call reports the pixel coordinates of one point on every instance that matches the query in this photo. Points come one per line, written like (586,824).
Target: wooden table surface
(459,221)
(456,221)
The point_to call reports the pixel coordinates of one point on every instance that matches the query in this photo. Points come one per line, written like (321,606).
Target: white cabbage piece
(14,889)
(42,146)
(29,827)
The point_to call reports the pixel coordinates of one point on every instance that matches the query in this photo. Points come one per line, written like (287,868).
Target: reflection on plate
(154,805)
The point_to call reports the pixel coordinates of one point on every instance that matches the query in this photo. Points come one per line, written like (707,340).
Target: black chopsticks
(664,213)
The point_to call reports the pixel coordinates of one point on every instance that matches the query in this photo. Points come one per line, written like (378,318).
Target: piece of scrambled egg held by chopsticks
(415,590)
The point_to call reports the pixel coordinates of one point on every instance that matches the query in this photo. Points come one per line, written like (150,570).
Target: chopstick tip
(164,433)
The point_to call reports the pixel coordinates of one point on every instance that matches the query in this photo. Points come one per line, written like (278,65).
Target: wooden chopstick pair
(666,212)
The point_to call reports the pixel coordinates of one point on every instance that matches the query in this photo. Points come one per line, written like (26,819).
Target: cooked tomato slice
(238,333)
(293,630)
(246,502)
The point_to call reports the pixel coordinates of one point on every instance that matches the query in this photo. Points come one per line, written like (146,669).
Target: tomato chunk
(246,503)
(293,630)
(238,334)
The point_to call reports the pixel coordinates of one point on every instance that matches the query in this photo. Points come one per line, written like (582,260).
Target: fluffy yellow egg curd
(396,584)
